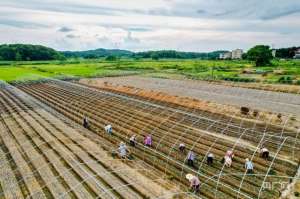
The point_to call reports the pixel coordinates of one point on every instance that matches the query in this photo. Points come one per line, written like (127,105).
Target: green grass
(195,69)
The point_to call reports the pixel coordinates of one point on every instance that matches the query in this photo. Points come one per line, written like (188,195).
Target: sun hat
(189,176)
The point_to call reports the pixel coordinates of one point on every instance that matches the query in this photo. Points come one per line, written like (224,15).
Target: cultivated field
(285,72)
(278,102)
(45,155)
(170,124)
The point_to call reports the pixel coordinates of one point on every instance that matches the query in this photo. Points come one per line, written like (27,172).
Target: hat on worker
(247,159)
(189,176)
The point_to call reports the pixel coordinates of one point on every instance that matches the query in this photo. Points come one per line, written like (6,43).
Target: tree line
(27,52)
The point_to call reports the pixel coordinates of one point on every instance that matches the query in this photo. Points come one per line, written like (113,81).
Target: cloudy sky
(186,25)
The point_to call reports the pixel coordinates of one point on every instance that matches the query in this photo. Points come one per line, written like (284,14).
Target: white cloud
(194,25)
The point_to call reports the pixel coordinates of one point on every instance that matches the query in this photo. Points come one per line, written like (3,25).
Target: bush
(286,79)
(239,79)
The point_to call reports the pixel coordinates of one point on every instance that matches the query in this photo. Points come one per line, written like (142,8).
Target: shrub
(286,79)
(245,110)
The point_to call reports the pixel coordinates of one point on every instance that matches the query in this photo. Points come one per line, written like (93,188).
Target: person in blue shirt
(249,166)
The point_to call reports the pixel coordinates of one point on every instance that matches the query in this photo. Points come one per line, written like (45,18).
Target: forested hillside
(27,52)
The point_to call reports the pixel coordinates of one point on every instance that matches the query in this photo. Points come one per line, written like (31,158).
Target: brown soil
(202,105)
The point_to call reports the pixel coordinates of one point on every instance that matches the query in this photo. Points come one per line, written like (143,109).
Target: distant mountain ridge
(159,54)
(100,52)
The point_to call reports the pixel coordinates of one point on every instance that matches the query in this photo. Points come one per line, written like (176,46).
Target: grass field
(287,71)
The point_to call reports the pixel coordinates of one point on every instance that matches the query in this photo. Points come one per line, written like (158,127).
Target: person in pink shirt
(194,182)
(230,154)
(148,140)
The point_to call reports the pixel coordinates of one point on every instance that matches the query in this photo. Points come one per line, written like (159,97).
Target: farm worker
(122,150)
(108,129)
(194,182)
(249,166)
(148,140)
(230,154)
(85,122)
(191,158)
(132,140)
(228,161)
(264,153)
(210,159)
(181,147)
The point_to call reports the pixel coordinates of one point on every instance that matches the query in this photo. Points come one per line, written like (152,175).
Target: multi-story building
(237,54)
(297,54)
(226,55)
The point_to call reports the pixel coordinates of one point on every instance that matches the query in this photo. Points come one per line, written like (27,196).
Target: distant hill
(165,54)
(160,54)
(98,53)
(27,52)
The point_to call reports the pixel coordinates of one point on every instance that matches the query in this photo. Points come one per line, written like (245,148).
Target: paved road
(256,99)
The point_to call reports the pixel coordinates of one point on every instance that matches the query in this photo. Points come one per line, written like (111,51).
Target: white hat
(122,143)
(189,176)
(247,159)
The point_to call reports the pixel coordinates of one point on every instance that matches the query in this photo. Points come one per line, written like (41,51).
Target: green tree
(261,54)
(111,58)
(18,57)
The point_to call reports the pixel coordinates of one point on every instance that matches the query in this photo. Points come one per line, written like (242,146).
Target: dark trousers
(210,160)
(190,163)
(181,149)
(265,155)
(196,188)
(250,171)
(85,125)
(132,143)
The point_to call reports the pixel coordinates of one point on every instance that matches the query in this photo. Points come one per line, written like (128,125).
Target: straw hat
(189,176)
(122,143)
(247,159)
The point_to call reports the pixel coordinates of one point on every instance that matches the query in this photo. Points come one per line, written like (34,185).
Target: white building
(237,54)
(297,54)
(274,52)
(226,55)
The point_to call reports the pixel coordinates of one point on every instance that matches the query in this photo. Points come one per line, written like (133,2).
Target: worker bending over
(191,158)
(148,140)
(108,129)
(249,166)
(264,153)
(194,182)
(181,147)
(210,159)
(85,122)
(132,140)
(228,158)
(122,150)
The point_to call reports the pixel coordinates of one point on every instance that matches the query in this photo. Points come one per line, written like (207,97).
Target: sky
(140,25)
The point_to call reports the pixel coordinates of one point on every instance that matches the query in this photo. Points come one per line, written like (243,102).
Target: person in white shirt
(181,147)
(122,150)
(108,129)
(210,159)
(132,140)
(249,166)
(264,153)
(190,158)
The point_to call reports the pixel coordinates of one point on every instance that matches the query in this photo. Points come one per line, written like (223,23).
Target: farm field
(169,125)
(45,155)
(278,102)
(281,72)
